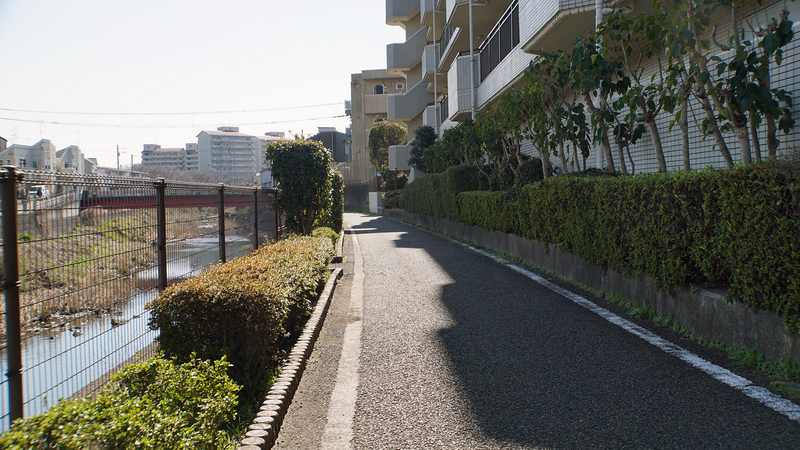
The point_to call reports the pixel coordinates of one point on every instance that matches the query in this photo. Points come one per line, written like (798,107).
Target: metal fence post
(222,256)
(255,219)
(161,239)
(277,218)
(11,269)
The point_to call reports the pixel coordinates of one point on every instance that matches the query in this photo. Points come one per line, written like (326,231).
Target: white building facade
(451,76)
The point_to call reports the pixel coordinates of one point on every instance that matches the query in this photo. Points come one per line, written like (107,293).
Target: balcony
(556,24)
(429,116)
(399,11)
(459,88)
(375,103)
(484,15)
(430,58)
(398,157)
(402,57)
(406,106)
(427,9)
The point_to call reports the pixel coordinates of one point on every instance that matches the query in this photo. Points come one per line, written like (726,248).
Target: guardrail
(79,267)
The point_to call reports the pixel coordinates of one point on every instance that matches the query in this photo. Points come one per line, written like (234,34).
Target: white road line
(338,432)
(764,396)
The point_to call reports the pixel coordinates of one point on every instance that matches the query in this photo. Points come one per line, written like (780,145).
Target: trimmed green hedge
(152,404)
(244,309)
(435,194)
(736,228)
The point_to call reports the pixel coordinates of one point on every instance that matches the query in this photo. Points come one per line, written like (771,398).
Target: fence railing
(79,267)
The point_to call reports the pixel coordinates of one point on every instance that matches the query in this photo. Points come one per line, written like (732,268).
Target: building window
(377,89)
(34,164)
(67,165)
(22,163)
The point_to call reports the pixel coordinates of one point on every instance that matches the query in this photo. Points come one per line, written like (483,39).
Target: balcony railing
(406,55)
(459,87)
(430,60)
(447,33)
(398,11)
(409,105)
(399,156)
(503,39)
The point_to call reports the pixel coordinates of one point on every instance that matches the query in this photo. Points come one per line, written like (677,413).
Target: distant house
(41,156)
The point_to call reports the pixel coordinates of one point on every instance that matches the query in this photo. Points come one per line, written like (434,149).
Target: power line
(99,125)
(167,113)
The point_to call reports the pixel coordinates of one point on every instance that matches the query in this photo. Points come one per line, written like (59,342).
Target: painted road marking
(338,432)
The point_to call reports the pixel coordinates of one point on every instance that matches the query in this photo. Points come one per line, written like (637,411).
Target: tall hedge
(245,308)
(736,228)
(435,194)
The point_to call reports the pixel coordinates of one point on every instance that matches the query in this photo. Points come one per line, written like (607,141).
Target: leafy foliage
(424,138)
(157,403)
(302,170)
(383,135)
(335,213)
(435,194)
(733,228)
(243,309)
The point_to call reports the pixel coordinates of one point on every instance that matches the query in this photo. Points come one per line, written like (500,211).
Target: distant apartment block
(176,158)
(369,94)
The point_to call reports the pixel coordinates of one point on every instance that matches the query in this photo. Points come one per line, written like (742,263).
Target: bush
(393,199)
(335,215)
(243,309)
(302,170)
(529,172)
(152,404)
(435,194)
(326,233)
(734,228)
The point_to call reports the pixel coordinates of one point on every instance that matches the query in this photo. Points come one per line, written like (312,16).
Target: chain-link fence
(83,254)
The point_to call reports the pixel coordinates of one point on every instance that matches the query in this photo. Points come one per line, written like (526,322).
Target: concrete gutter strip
(263,432)
(339,248)
(706,312)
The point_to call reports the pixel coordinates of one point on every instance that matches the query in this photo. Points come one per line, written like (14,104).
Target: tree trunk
(610,169)
(562,157)
(687,164)
(713,125)
(662,163)
(739,122)
(621,153)
(754,134)
(575,155)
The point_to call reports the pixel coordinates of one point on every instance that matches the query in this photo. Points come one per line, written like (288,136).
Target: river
(62,361)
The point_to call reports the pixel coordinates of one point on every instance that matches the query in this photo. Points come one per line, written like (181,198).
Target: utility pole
(117,159)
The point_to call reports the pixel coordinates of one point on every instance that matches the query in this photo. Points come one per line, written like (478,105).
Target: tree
(383,135)
(424,137)
(301,169)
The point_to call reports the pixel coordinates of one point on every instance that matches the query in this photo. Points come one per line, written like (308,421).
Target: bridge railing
(80,266)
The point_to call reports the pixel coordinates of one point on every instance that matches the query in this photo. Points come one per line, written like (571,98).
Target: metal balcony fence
(81,261)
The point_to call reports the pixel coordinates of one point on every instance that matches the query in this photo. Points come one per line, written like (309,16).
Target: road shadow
(540,371)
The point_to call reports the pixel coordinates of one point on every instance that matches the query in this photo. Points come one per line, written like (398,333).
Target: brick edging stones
(263,432)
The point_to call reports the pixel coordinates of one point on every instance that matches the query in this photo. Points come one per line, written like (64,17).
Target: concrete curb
(263,432)
(339,248)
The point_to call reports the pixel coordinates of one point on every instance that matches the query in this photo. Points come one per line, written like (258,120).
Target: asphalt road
(456,351)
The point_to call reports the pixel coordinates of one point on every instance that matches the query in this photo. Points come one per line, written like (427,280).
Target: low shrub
(244,309)
(393,199)
(153,404)
(327,233)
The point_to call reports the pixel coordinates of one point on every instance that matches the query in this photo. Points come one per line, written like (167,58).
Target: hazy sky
(155,60)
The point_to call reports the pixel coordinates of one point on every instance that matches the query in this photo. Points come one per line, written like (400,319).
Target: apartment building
(228,150)
(176,158)
(460,55)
